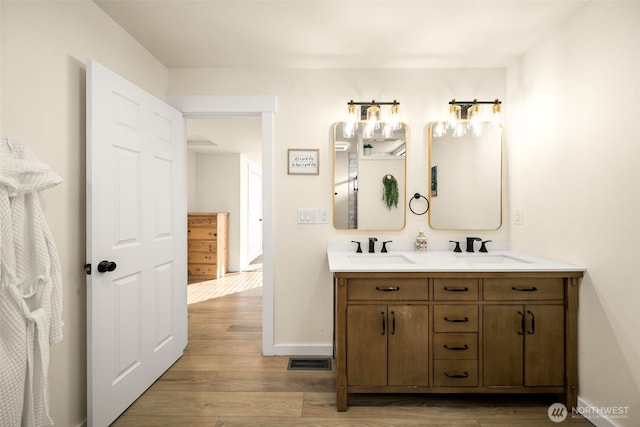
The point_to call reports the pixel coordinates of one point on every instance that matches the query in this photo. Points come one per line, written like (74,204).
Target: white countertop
(343,258)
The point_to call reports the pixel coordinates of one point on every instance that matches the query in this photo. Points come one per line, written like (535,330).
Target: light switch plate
(323,217)
(307,216)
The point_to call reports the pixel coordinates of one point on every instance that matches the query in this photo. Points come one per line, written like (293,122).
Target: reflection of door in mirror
(466,174)
(358,179)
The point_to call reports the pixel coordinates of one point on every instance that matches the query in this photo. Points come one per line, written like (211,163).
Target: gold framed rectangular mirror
(465,178)
(369,179)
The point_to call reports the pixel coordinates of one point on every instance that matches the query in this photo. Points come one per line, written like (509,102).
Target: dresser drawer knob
(465,375)
(464,320)
(465,347)
(531,289)
(388,289)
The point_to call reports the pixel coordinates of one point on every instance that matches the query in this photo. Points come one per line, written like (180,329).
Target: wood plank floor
(222,380)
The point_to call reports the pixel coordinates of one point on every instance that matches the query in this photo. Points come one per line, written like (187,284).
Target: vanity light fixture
(351,123)
(470,111)
(371,113)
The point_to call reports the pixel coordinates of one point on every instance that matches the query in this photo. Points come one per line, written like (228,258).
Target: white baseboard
(591,414)
(302,350)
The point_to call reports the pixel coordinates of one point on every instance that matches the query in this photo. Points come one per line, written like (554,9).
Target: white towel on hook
(30,288)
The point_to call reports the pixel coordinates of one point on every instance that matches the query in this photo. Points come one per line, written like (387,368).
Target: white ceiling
(332,34)
(338,33)
(242,134)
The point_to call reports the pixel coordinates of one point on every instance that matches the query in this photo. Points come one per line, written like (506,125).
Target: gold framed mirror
(465,178)
(368,169)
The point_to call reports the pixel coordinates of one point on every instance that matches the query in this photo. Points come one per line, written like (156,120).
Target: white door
(136,222)
(254,217)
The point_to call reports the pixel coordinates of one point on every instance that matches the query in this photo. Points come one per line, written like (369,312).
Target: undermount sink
(491,259)
(379,259)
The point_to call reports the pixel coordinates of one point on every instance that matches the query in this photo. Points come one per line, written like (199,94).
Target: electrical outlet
(517,216)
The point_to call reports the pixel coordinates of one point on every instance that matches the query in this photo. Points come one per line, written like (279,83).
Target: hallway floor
(223,380)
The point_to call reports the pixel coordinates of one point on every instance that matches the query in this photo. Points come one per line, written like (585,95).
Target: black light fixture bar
(475,101)
(466,105)
(373,102)
(367,104)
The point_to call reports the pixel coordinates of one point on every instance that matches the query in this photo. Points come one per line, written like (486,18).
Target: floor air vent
(315,364)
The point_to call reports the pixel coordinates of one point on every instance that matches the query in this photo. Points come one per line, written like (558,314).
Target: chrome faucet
(372,243)
(470,241)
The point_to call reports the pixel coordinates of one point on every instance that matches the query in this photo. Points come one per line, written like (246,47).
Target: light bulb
(439,130)
(351,123)
(473,115)
(348,130)
(368,131)
(387,130)
(460,130)
(373,116)
(394,119)
(496,118)
(455,113)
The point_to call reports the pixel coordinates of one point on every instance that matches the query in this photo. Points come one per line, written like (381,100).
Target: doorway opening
(224,167)
(263,106)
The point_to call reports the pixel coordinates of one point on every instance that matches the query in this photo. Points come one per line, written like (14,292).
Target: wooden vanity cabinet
(467,332)
(387,345)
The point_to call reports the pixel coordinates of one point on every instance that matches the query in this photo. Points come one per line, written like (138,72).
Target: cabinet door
(408,344)
(367,331)
(544,345)
(502,337)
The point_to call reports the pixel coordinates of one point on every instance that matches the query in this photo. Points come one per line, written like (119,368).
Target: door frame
(263,106)
(252,236)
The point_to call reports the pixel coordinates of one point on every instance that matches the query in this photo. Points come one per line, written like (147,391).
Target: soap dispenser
(421,242)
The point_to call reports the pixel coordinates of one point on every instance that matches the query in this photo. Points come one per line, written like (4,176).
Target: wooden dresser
(207,242)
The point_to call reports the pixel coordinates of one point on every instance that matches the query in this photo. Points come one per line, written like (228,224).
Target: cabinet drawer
(387,289)
(203,221)
(202,257)
(527,288)
(455,373)
(202,233)
(208,270)
(455,318)
(201,246)
(455,289)
(447,345)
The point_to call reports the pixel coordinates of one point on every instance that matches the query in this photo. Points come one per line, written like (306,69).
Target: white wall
(191,180)
(574,170)
(309,102)
(221,186)
(43,52)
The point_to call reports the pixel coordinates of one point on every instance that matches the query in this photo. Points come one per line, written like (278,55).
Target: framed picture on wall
(303,161)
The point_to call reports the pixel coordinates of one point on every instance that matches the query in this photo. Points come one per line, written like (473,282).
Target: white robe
(30,288)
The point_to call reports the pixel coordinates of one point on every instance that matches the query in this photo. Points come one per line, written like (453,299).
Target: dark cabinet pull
(531,289)
(533,323)
(393,323)
(384,326)
(465,347)
(465,289)
(466,319)
(465,375)
(521,331)
(388,289)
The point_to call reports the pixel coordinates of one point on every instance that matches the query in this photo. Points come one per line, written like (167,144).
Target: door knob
(106,266)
